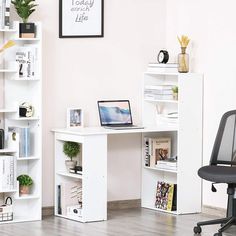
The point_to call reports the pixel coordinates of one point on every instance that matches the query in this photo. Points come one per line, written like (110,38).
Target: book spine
(3,13)
(151,152)
(170,197)
(1,173)
(24,142)
(7,14)
(146,152)
(59,199)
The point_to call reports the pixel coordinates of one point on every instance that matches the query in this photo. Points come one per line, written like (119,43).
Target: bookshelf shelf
(189,110)
(80,219)
(25,79)
(7,110)
(25,118)
(7,150)
(70,175)
(27,197)
(26,39)
(8,71)
(26,208)
(8,30)
(161,169)
(8,190)
(156,209)
(160,100)
(27,158)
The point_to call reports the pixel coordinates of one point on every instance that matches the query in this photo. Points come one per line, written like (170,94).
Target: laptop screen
(116,112)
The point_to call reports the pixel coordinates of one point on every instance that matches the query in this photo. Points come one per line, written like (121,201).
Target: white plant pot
(70,164)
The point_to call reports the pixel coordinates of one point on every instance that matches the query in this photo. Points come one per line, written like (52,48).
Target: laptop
(116,114)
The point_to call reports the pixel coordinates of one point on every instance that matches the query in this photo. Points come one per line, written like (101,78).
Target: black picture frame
(62,34)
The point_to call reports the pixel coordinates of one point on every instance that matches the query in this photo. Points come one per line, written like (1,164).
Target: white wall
(78,72)
(211,27)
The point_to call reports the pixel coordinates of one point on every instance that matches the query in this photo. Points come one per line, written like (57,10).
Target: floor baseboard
(112,205)
(48,211)
(124,204)
(214,211)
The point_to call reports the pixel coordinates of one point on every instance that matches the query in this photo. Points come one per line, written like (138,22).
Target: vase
(183,61)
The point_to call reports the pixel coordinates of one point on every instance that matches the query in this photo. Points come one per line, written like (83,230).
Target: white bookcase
(93,180)
(186,139)
(15,91)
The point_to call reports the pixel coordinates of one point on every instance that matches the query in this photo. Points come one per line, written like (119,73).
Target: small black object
(76,170)
(2,137)
(197,229)
(163,56)
(213,188)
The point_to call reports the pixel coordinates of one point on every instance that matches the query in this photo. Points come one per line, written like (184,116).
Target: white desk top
(101,130)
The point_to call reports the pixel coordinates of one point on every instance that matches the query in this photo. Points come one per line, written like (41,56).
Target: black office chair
(222,169)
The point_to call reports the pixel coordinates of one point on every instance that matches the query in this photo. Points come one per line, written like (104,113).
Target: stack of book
(7,173)
(166,196)
(158,92)
(167,164)
(163,68)
(156,149)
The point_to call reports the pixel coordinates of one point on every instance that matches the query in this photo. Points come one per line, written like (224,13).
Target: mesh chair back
(224,150)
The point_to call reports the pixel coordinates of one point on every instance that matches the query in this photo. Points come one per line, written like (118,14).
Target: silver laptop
(116,114)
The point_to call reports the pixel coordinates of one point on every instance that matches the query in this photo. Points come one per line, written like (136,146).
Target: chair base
(225,223)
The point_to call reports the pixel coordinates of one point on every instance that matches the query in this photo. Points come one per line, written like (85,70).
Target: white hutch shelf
(186,141)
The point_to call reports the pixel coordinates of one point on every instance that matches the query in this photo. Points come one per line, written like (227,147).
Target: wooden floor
(135,222)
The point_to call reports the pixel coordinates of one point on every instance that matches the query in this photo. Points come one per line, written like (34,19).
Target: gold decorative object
(183,57)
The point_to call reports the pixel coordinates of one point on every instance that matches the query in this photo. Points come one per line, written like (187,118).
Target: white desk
(94,159)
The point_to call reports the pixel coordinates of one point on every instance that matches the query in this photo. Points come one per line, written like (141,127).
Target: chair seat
(218,174)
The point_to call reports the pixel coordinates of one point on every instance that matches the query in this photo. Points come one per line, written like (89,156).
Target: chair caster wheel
(218,234)
(198,230)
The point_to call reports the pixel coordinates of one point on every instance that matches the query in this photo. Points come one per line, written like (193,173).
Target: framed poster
(80,18)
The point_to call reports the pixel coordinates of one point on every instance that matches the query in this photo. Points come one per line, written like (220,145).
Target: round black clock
(163,56)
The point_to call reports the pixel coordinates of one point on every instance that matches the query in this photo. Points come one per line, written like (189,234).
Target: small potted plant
(25,182)
(175,91)
(24,9)
(71,150)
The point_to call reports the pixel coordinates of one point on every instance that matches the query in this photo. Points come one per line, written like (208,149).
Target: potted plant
(175,91)
(24,9)
(71,150)
(25,181)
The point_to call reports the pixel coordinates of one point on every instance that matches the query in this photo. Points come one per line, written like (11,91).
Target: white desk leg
(94,155)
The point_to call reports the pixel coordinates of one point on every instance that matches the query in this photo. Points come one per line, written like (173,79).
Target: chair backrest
(224,149)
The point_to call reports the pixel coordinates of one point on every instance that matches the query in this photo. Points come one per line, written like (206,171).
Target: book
(26,58)
(7,172)
(59,199)
(146,150)
(19,139)
(156,149)
(166,196)
(161,148)
(7,14)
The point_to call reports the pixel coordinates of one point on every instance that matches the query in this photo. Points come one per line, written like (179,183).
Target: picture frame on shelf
(81,18)
(74,118)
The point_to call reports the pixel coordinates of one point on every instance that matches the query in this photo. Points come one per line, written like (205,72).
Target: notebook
(116,114)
